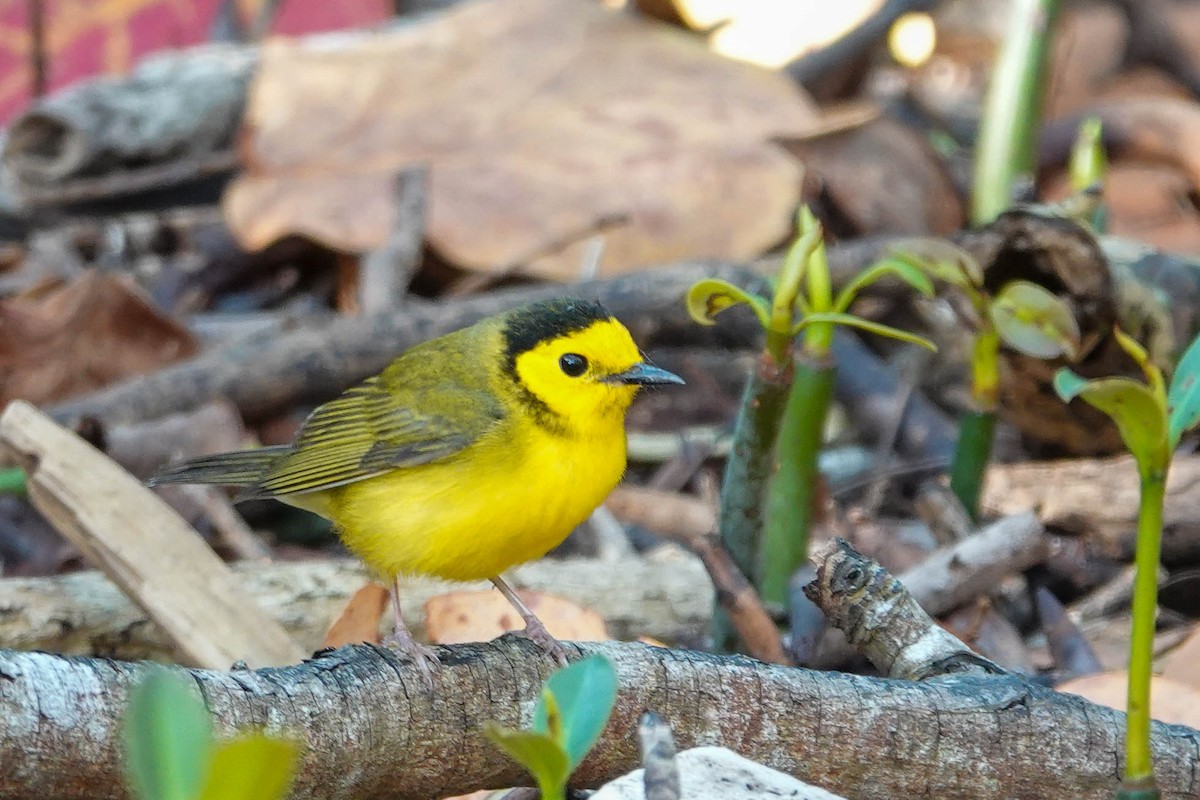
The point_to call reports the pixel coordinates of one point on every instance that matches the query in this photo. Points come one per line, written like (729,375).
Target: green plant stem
(747,472)
(971,456)
(793,491)
(1139,768)
(1012,111)
(12,481)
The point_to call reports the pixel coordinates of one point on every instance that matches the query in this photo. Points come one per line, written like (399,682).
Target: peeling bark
(371,730)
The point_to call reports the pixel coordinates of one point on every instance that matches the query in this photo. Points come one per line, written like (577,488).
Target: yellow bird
(468,454)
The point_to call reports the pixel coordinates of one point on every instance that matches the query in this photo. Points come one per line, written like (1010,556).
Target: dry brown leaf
(1170,701)
(884,178)
(80,336)
(359,620)
(538,123)
(480,616)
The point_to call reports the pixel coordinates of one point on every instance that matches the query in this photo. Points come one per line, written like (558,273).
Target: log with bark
(371,730)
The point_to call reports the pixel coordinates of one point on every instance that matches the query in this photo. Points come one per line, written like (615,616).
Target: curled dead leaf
(572,118)
(81,336)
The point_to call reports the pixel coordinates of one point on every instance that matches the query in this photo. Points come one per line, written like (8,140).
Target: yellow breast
(509,498)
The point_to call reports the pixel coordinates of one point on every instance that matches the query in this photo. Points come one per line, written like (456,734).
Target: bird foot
(536,631)
(422,657)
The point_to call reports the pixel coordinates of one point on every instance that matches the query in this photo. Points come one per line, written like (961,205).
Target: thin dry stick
(144,546)
(692,523)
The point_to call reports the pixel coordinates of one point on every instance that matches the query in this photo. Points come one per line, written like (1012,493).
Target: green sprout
(1151,419)
(571,712)
(170,753)
(1088,169)
(1012,113)
(779,430)
(1023,315)
(12,481)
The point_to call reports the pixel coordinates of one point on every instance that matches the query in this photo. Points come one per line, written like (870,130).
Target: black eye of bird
(573,364)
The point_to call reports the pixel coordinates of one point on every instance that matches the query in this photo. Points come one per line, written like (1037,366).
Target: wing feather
(368,431)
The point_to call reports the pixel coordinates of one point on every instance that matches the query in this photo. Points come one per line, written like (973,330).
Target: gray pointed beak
(643,374)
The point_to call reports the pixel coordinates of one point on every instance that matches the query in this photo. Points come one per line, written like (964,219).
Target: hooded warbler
(468,454)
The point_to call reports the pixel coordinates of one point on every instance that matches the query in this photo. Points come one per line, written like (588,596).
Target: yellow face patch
(567,374)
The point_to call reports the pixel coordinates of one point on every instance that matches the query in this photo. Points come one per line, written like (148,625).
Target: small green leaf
(584,693)
(252,767)
(711,296)
(906,272)
(536,752)
(168,738)
(1033,320)
(1140,417)
(941,260)
(12,481)
(795,263)
(849,320)
(1183,398)
(1138,353)
(1088,164)
(819,285)
(1133,347)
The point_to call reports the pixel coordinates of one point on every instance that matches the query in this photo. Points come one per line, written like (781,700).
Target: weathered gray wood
(667,597)
(371,730)
(142,544)
(176,107)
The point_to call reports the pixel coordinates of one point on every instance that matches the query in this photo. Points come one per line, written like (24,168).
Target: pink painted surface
(92,37)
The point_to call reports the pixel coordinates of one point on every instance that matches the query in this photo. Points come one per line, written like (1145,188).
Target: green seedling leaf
(1183,398)
(849,320)
(820,287)
(711,296)
(168,739)
(1033,320)
(1089,164)
(941,260)
(12,481)
(536,752)
(795,263)
(252,767)
(906,272)
(1138,413)
(583,693)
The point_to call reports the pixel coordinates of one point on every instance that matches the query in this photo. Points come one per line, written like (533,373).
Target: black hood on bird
(530,325)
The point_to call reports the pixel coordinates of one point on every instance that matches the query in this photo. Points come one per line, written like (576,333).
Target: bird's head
(574,364)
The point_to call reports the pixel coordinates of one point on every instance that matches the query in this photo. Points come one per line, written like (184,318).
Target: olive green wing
(369,430)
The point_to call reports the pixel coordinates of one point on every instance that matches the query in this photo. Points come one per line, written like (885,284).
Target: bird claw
(422,657)
(537,633)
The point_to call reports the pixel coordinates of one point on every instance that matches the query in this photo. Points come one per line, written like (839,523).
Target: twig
(693,524)
(144,546)
(385,272)
(1070,649)
(955,575)
(661,776)
(261,375)
(883,621)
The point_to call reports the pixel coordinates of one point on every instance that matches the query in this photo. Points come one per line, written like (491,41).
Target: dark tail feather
(241,468)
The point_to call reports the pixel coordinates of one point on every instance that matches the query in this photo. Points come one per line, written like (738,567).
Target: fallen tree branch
(310,364)
(667,596)
(693,524)
(371,730)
